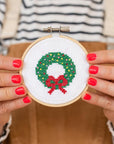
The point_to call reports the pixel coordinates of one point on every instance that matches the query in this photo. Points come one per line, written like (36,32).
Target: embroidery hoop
(43,38)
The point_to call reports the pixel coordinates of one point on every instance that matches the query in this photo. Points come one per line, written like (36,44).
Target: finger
(103,101)
(14,104)
(9,63)
(102,85)
(10,93)
(104,56)
(8,79)
(100,71)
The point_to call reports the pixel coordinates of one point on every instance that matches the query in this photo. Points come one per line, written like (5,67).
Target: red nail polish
(87,97)
(92,81)
(91,57)
(16,78)
(26,100)
(20,91)
(17,63)
(93,69)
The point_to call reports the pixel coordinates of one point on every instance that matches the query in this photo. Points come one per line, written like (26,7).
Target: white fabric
(55,44)
(59,70)
(7,130)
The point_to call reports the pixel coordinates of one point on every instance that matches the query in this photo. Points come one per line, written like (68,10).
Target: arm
(102,79)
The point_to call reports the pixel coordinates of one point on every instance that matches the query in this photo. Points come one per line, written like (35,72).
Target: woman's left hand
(102,79)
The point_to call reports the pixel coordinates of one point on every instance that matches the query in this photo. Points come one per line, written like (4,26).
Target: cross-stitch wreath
(63,80)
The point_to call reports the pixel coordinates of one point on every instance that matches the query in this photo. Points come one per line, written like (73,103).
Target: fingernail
(93,69)
(20,91)
(26,100)
(92,81)
(17,63)
(91,57)
(87,97)
(16,78)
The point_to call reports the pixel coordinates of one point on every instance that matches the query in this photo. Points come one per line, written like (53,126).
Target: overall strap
(11,19)
(109,18)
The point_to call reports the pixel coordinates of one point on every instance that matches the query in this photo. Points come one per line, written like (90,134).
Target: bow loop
(53,83)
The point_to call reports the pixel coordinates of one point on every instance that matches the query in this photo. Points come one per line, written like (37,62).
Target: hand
(101,78)
(13,94)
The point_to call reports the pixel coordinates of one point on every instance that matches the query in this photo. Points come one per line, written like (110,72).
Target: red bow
(56,82)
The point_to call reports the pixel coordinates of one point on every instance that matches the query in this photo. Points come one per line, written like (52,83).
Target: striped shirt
(84,17)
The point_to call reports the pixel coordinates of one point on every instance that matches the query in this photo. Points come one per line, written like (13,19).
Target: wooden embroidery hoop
(50,29)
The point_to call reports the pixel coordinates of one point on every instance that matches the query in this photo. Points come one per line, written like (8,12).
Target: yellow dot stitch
(40,68)
(66,67)
(61,58)
(70,75)
(52,59)
(43,78)
(50,54)
(43,63)
(58,53)
(69,59)
(62,63)
(39,75)
(68,70)
(57,60)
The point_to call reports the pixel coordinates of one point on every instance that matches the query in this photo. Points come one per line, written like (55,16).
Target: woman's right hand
(13,94)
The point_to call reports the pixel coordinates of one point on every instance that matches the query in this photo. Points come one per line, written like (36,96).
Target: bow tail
(51,90)
(63,90)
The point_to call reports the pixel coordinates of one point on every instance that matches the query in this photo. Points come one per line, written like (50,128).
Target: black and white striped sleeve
(111,129)
(6,130)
